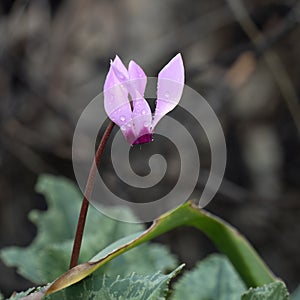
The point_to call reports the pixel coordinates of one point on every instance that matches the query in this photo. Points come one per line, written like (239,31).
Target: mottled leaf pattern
(214,278)
(133,287)
(272,291)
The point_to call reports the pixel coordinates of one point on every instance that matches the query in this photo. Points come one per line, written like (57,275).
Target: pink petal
(115,95)
(141,115)
(119,69)
(138,80)
(169,88)
(117,106)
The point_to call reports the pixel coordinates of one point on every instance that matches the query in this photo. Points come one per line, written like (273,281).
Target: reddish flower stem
(87,195)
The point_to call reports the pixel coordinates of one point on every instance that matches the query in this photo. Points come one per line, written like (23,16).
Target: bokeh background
(242,56)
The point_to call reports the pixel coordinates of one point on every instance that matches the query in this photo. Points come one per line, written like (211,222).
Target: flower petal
(169,88)
(117,106)
(119,69)
(142,117)
(138,80)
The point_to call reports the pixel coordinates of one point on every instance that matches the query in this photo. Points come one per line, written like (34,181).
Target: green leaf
(133,287)
(32,294)
(20,295)
(214,278)
(244,258)
(146,259)
(49,254)
(272,291)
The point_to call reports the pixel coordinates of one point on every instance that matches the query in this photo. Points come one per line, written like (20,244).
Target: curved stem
(87,195)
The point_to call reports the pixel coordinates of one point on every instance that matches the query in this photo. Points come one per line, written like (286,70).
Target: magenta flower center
(146,138)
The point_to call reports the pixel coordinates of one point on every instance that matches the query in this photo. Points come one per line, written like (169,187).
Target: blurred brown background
(242,56)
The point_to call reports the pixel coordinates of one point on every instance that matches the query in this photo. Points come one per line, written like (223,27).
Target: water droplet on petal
(122,118)
(143,112)
(123,127)
(146,124)
(128,125)
(167,95)
(112,97)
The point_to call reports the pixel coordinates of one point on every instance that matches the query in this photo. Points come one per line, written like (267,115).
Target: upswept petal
(119,69)
(141,114)
(169,88)
(142,117)
(117,106)
(138,80)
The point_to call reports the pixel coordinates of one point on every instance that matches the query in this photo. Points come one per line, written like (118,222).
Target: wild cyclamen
(124,100)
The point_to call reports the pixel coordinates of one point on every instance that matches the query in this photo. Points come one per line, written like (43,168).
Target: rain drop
(167,95)
(143,112)
(123,127)
(122,118)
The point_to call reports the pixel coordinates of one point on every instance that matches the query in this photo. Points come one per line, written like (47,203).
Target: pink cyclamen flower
(124,100)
